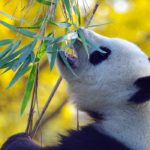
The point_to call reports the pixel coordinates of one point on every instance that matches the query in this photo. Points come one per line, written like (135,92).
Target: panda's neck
(131,126)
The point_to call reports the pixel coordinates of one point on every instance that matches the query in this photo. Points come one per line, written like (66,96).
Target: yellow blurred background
(127,19)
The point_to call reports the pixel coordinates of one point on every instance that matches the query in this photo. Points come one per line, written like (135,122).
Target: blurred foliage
(127,19)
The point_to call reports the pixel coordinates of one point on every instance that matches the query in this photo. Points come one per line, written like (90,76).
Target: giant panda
(113,88)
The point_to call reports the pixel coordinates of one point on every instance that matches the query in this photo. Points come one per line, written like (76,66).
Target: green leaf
(5,71)
(32,27)
(4,52)
(32,57)
(12,17)
(15,46)
(22,31)
(62,55)
(26,52)
(68,7)
(69,36)
(77,12)
(10,49)
(52,54)
(42,50)
(5,42)
(21,71)
(97,25)
(83,40)
(47,2)
(9,58)
(53,59)
(8,65)
(28,89)
(90,44)
(44,46)
(61,24)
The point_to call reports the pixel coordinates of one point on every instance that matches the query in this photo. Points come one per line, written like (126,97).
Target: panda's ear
(143,94)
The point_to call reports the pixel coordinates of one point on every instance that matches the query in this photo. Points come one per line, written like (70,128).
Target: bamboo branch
(92,14)
(52,115)
(45,107)
(33,102)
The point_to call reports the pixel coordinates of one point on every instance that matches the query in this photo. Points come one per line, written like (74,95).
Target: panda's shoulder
(89,138)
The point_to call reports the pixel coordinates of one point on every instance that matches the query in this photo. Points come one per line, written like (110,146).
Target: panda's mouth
(69,58)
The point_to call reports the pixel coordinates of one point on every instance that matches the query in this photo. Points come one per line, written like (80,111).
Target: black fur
(143,94)
(95,115)
(97,57)
(88,138)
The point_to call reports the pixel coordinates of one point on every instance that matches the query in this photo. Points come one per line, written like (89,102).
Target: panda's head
(112,79)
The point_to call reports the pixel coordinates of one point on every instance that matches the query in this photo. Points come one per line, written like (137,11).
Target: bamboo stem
(92,14)
(45,107)
(34,100)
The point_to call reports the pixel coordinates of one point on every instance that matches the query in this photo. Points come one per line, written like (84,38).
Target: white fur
(106,88)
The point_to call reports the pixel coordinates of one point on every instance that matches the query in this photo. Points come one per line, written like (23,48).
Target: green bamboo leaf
(42,50)
(10,57)
(28,89)
(90,44)
(97,25)
(61,24)
(15,46)
(32,57)
(77,12)
(52,54)
(10,49)
(8,65)
(21,71)
(47,2)
(39,22)
(4,52)
(53,59)
(32,27)
(5,42)
(68,7)
(69,36)
(22,31)
(44,46)
(83,40)
(6,70)
(12,17)
(62,55)
(26,52)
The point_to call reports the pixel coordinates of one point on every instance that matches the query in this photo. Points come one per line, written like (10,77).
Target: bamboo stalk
(45,107)
(33,102)
(92,14)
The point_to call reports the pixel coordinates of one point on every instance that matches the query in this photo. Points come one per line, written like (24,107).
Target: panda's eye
(97,57)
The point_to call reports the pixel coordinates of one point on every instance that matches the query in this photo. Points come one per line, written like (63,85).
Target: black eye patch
(97,57)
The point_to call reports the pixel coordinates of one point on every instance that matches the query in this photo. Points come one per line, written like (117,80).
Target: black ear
(143,93)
